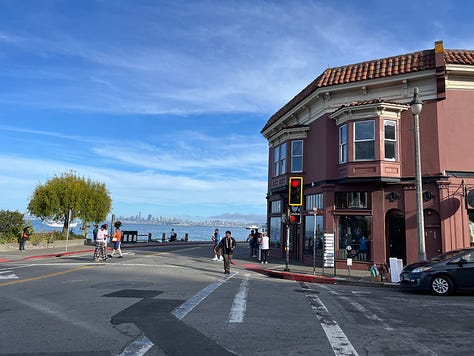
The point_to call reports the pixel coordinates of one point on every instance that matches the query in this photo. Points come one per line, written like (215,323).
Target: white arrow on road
(8,276)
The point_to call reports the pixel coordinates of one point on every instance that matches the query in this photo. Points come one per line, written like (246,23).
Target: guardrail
(132,237)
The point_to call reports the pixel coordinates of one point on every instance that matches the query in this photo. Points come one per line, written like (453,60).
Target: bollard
(163,237)
(186,237)
(149,237)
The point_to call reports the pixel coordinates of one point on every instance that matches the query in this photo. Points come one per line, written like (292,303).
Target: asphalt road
(173,300)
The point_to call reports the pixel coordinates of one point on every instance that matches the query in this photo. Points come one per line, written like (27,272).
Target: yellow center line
(43,277)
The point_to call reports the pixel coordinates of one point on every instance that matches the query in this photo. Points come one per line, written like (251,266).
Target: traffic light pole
(287,247)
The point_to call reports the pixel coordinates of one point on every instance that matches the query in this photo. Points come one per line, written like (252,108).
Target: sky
(164,101)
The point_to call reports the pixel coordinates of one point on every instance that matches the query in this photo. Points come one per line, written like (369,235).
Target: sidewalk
(276,268)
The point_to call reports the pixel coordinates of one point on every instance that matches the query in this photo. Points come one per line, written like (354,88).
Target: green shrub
(11,225)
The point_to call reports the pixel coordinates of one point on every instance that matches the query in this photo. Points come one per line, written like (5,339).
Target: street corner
(288,275)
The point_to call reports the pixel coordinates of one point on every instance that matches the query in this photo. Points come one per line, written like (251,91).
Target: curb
(300,277)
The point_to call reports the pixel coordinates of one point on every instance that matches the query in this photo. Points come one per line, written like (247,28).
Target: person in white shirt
(264,246)
(99,251)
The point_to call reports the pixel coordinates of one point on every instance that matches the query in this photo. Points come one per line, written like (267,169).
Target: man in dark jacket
(227,246)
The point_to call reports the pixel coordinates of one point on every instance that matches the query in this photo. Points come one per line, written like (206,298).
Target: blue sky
(163,101)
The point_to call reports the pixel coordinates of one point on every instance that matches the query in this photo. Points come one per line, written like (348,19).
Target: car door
(465,272)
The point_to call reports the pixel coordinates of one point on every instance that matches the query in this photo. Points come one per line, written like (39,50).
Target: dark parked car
(443,274)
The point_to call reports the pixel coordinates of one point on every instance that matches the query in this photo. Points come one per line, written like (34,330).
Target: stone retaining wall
(43,245)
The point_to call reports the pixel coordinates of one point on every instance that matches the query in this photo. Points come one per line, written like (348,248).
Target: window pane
(276,207)
(364,130)
(275,232)
(390,149)
(297,164)
(310,236)
(297,148)
(343,144)
(353,200)
(343,134)
(276,154)
(283,166)
(364,150)
(390,130)
(283,151)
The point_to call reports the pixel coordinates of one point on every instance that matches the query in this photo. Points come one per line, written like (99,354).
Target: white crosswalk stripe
(11,275)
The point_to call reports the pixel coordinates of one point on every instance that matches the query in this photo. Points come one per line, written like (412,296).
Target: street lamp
(416,107)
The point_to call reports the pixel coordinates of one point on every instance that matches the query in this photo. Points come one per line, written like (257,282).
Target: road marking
(8,276)
(239,306)
(139,347)
(181,311)
(44,276)
(339,342)
(366,312)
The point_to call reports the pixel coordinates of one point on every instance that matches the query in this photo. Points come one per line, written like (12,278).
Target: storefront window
(275,232)
(354,237)
(309,235)
(352,200)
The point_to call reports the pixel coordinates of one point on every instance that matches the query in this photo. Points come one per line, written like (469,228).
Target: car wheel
(441,285)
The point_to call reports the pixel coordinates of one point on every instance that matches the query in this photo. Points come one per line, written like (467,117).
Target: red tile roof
(378,68)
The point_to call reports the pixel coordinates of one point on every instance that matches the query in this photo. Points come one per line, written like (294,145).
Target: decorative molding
(368,111)
(288,134)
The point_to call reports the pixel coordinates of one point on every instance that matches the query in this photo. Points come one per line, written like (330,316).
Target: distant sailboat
(59,223)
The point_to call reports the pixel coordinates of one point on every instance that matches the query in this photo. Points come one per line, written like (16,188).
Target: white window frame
(283,158)
(394,141)
(343,144)
(276,161)
(364,140)
(293,156)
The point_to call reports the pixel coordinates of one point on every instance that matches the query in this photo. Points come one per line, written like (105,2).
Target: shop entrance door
(396,240)
(433,243)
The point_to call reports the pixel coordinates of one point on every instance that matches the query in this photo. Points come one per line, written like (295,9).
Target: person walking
(117,240)
(24,237)
(216,238)
(95,231)
(264,247)
(256,235)
(227,246)
(99,251)
(250,241)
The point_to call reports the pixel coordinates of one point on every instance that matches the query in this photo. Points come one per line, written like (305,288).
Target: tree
(87,199)
(11,225)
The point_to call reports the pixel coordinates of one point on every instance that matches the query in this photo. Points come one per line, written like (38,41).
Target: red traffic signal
(295,191)
(295,218)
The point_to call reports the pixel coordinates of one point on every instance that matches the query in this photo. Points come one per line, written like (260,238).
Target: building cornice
(364,110)
(287,134)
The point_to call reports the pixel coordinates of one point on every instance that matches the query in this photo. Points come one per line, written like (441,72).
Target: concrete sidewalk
(276,267)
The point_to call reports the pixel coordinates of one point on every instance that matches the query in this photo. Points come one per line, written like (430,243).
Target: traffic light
(295,194)
(295,218)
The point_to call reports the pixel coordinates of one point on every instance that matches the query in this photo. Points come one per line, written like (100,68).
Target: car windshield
(446,255)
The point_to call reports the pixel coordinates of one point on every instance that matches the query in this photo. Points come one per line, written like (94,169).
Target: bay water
(195,232)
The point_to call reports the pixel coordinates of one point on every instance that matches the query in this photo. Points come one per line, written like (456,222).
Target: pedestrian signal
(295,218)
(295,194)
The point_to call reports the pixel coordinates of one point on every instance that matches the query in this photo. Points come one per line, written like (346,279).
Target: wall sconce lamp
(393,196)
